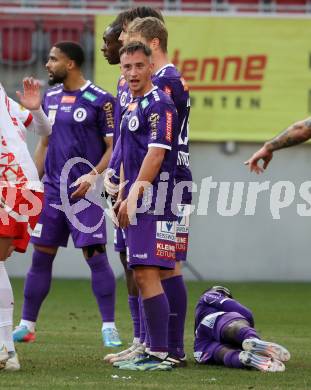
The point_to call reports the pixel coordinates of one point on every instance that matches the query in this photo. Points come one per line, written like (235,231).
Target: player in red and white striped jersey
(21,196)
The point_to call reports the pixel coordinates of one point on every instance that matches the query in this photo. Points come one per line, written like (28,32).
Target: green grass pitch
(68,352)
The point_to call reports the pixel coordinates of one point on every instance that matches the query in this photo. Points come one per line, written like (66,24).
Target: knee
(93,250)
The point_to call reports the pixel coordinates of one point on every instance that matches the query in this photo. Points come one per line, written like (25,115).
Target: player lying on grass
(20,197)
(225,335)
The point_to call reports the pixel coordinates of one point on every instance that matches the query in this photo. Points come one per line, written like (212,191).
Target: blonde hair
(149,28)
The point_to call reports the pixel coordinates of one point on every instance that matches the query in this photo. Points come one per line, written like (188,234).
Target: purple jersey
(151,121)
(80,121)
(123,98)
(214,302)
(169,80)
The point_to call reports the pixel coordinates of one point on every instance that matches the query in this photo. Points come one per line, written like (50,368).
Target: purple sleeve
(223,303)
(160,121)
(106,117)
(115,161)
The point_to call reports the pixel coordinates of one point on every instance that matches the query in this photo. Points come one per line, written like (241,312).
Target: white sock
(29,324)
(107,325)
(6,310)
(136,340)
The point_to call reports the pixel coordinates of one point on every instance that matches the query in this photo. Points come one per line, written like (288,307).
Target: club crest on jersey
(123,99)
(79,114)
(133,123)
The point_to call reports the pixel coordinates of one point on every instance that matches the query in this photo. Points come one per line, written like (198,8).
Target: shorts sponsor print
(19,212)
(152,242)
(182,232)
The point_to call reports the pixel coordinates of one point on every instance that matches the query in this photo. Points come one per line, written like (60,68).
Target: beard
(57,78)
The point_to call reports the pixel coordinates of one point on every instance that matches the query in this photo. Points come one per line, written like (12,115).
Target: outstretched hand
(30,98)
(261,154)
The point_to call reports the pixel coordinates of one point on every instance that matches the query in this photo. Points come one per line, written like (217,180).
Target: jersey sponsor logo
(123,99)
(37,231)
(133,123)
(165,250)
(53,106)
(51,116)
(108,108)
(168,90)
(89,96)
(140,255)
(144,103)
(79,114)
(66,108)
(68,99)
(154,119)
(169,120)
(166,230)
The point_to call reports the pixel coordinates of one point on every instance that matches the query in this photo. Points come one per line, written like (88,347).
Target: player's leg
(176,292)
(136,349)
(238,331)
(133,294)
(207,350)
(175,288)
(36,288)
(146,257)
(103,281)
(50,232)
(103,286)
(7,348)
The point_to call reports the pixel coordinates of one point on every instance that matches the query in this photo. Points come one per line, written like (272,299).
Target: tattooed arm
(295,134)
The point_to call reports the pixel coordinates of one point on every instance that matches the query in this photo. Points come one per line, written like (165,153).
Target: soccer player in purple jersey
(109,50)
(149,131)
(152,32)
(225,335)
(82,118)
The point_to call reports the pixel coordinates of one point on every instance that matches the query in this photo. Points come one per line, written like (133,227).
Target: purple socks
(157,317)
(231,359)
(176,293)
(103,285)
(134,309)
(37,284)
(246,333)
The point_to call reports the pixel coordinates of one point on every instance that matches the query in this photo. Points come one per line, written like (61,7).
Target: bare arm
(295,134)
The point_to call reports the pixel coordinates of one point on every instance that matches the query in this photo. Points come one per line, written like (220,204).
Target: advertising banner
(248,77)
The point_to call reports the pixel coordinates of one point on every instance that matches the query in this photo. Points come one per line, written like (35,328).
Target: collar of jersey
(83,88)
(164,67)
(151,90)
